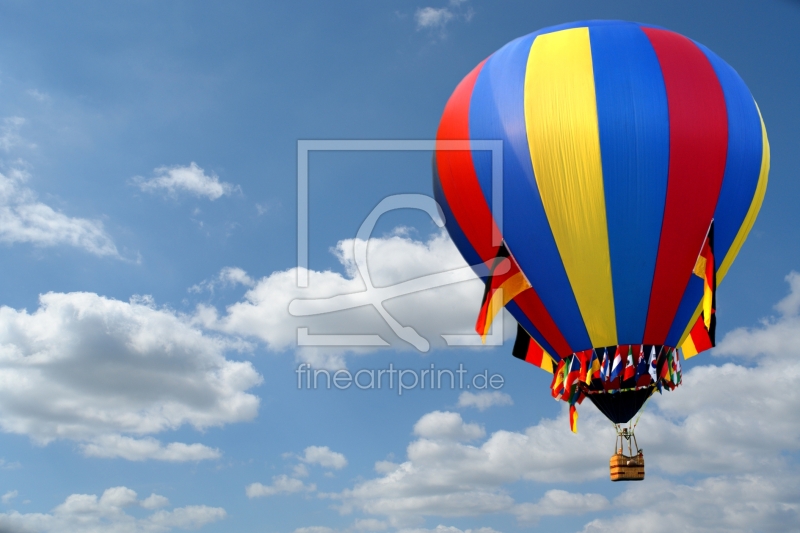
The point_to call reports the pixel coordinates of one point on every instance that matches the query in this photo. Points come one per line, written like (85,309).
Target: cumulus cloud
(370,524)
(227,277)
(186,179)
(447,529)
(154,501)
(733,427)
(444,475)
(440,425)
(324,456)
(437,18)
(725,504)
(147,448)
(86,513)
(560,503)
(108,374)
(282,484)
(715,422)
(484,400)
(275,307)
(8,496)
(23,219)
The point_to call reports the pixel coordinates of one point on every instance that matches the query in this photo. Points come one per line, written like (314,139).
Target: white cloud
(727,504)
(449,309)
(431,17)
(227,277)
(560,503)
(445,476)
(737,423)
(314,529)
(437,18)
(324,456)
(23,219)
(86,513)
(790,305)
(440,425)
(189,517)
(370,524)
(154,501)
(9,134)
(38,95)
(282,484)
(448,529)
(300,470)
(106,373)
(8,496)
(484,400)
(190,179)
(147,448)
(716,421)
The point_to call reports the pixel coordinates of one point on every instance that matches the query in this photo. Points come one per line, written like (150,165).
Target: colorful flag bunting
(573,419)
(705,269)
(595,368)
(504,283)
(642,373)
(616,366)
(573,373)
(698,339)
(630,369)
(651,365)
(585,359)
(605,366)
(558,379)
(528,350)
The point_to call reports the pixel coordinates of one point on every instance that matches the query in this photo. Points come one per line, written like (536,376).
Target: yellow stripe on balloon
(747,225)
(564,142)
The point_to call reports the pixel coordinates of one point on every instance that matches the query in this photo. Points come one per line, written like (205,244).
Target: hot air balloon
(634,163)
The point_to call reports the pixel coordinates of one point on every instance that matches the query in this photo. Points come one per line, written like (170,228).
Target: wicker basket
(625,468)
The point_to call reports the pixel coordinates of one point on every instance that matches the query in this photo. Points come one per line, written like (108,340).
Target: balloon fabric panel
(698,147)
(755,206)
(561,122)
(739,183)
(497,112)
(457,174)
(634,140)
(471,212)
(744,229)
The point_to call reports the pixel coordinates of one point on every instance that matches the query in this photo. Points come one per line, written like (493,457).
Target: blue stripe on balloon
(496,112)
(691,297)
(633,119)
(738,184)
(473,259)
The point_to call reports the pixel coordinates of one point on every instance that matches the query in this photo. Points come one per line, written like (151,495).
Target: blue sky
(148,241)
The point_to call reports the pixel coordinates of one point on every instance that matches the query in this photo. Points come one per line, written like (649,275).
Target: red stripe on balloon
(698,136)
(457,172)
(530,304)
(464,196)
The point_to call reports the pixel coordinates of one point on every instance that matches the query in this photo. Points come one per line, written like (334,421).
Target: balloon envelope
(621,142)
